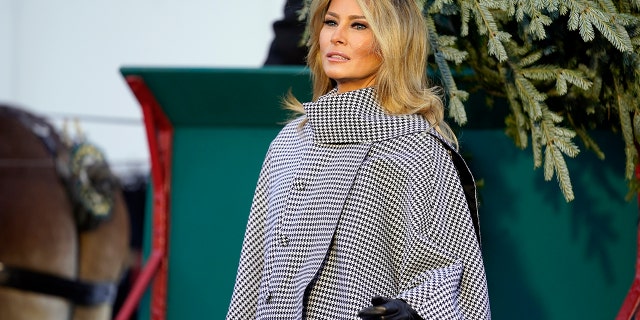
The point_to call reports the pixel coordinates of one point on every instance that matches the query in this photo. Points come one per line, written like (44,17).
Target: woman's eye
(359,26)
(330,22)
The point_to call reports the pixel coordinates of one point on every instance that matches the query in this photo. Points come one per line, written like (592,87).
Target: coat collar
(357,117)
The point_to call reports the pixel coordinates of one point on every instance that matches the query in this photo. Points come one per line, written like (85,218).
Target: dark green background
(545,259)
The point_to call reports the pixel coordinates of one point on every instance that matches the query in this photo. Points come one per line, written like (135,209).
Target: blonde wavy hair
(402,41)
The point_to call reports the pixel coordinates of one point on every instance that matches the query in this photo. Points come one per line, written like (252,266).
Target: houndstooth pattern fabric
(353,204)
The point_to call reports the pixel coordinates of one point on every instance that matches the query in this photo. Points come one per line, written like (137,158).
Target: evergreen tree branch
(554,162)
(530,96)
(589,143)
(636,125)
(608,6)
(530,59)
(436,6)
(516,123)
(560,75)
(624,112)
(584,15)
(445,43)
(558,141)
(456,96)
(486,25)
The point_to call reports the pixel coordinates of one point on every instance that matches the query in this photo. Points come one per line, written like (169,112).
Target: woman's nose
(338,36)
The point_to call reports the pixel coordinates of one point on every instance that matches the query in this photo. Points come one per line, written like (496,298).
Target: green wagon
(208,131)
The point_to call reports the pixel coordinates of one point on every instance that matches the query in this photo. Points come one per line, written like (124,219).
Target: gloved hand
(388,309)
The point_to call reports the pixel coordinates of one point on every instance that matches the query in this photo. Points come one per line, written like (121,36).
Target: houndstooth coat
(357,203)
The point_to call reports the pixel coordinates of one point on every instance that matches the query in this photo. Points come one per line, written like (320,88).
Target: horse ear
(80,137)
(64,133)
(77,137)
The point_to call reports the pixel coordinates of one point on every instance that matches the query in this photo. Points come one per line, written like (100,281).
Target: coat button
(283,239)
(299,184)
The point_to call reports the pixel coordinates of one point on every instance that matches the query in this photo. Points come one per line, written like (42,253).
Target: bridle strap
(76,291)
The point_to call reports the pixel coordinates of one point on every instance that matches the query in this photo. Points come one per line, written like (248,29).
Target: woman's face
(347,47)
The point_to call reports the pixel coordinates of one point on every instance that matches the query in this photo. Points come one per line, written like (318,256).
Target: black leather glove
(388,309)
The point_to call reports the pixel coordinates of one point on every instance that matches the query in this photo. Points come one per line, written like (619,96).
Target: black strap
(76,291)
(467,181)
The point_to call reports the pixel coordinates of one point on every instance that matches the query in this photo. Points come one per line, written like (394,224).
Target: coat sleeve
(246,290)
(446,276)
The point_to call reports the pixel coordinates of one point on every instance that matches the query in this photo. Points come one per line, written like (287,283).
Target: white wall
(6,47)
(62,57)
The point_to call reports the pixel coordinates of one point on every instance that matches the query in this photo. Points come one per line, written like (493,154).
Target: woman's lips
(337,56)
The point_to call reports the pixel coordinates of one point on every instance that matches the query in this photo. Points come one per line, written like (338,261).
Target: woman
(359,209)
